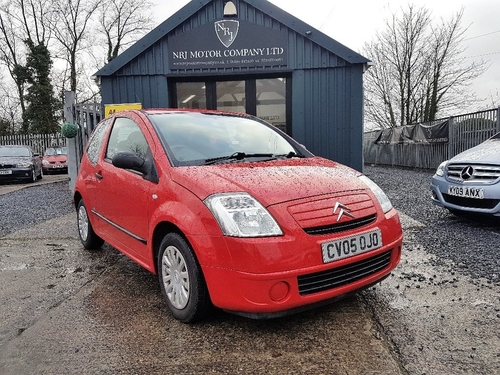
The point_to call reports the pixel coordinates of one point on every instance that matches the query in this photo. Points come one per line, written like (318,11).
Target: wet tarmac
(69,311)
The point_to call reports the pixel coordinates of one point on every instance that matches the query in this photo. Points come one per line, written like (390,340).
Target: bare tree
(12,50)
(71,31)
(23,23)
(419,70)
(123,22)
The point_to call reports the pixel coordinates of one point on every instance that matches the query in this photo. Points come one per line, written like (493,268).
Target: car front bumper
(287,284)
(489,203)
(16,174)
(54,168)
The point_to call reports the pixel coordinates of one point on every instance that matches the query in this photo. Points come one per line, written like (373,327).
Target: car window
(192,137)
(126,136)
(96,140)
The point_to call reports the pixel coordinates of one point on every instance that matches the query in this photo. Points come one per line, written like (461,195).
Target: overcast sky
(354,23)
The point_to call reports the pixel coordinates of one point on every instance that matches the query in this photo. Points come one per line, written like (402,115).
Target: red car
(231,212)
(55,160)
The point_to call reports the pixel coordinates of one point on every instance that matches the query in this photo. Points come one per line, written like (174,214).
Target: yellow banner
(109,109)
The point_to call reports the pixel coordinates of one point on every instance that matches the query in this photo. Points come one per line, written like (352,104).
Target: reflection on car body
(231,212)
(19,163)
(470,181)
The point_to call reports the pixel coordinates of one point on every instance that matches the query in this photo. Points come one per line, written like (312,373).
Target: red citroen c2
(233,213)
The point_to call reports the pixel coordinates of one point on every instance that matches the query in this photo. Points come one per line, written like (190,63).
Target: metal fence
(465,131)
(38,142)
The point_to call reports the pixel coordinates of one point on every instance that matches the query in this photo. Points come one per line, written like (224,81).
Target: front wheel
(33,177)
(181,280)
(89,239)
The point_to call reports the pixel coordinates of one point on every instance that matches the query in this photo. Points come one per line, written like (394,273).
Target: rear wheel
(89,239)
(181,280)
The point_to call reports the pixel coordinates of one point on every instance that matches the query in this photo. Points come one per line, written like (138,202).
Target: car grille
(336,277)
(341,227)
(471,202)
(482,173)
(318,216)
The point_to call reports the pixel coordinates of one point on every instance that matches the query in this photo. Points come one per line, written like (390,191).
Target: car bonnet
(271,182)
(486,153)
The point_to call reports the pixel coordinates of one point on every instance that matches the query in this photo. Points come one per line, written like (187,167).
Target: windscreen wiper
(291,154)
(237,156)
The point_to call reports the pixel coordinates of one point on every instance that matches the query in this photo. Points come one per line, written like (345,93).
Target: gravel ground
(470,242)
(34,205)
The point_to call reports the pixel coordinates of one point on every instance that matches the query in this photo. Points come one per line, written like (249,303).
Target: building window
(267,98)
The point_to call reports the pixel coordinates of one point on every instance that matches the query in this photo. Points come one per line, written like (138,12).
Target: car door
(122,197)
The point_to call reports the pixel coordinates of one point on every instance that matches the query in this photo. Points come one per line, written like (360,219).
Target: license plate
(8,171)
(467,192)
(352,245)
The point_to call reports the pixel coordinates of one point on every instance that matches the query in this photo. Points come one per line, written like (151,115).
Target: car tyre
(89,239)
(33,175)
(181,280)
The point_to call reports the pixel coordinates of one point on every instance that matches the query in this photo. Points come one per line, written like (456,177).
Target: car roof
(189,110)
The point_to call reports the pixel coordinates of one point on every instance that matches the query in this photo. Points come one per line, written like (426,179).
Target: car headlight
(45,162)
(440,169)
(25,164)
(379,193)
(241,215)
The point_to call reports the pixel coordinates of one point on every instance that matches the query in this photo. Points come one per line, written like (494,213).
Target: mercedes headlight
(379,193)
(241,215)
(440,169)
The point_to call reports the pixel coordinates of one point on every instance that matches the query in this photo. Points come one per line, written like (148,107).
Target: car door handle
(99,176)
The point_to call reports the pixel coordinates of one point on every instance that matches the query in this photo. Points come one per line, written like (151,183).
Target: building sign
(109,109)
(228,43)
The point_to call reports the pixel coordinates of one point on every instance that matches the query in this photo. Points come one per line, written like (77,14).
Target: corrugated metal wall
(327,103)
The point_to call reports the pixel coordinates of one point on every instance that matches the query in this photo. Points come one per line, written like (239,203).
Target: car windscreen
(15,151)
(56,151)
(198,138)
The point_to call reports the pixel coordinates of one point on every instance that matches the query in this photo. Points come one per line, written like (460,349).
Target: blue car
(470,181)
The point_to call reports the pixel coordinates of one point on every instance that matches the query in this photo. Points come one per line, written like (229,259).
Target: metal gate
(85,116)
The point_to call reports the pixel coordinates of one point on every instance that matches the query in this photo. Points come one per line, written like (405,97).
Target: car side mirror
(128,160)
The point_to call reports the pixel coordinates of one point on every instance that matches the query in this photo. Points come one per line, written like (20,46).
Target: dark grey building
(248,56)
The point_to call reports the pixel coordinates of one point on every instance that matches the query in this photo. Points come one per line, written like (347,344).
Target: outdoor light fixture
(230,9)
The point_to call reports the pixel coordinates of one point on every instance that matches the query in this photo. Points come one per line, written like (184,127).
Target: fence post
(73,159)
(451,138)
